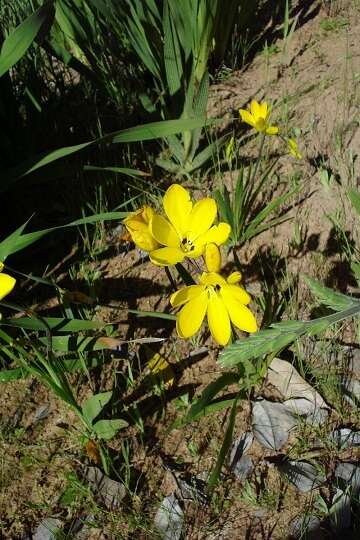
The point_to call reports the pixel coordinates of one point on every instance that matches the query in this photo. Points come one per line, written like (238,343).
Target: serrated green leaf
(328,297)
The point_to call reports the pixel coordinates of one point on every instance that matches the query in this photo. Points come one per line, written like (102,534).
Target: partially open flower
(224,302)
(138,226)
(7,283)
(187,230)
(258,118)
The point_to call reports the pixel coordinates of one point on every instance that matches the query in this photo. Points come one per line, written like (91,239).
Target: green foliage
(94,405)
(240,208)
(173,41)
(280,335)
(354,197)
(18,42)
(145,132)
(107,429)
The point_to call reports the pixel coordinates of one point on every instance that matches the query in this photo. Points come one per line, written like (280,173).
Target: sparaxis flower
(138,226)
(187,229)
(293,149)
(258,117)
(223,301)
(7,283)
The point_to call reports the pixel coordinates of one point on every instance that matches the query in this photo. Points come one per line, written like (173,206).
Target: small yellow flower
(293,149)
(258,118)
(224,302)
(187,230)
(7,283)
(138,226)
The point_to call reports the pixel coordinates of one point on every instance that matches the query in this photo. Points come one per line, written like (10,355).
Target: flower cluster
(7,283)
(188,230)
(258,117)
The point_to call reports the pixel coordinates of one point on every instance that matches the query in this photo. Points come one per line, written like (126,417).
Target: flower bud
(212,258)
(138,226)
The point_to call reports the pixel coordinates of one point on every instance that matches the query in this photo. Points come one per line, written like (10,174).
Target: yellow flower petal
(191,316)
(272,130)
(247,117)
(166,256)
(141,236)
(197,250)
(234,278)
(218,319)
(240,315)
(7,283)
(217,234)
(255,109)
(184,295)
(177,206)
(264,110)
(137,225)
(212,278)
(212,258)
(147,213)
(201,218)
(238,293)
(164,232)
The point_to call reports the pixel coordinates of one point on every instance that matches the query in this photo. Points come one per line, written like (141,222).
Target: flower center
(260,124)
(212,289)
(187,245)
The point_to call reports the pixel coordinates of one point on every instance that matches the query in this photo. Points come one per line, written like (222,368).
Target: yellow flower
(293,149)
(223,301)
(138,226)
(187,230)
(7,283)
(258,118)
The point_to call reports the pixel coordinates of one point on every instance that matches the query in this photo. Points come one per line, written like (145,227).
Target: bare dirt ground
(314,79)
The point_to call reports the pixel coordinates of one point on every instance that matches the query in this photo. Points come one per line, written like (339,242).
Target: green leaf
(354,197)
(280,335)
(334,300)
(209,393)
(106,429)
(94,405)
(18,42)
(117,170)
(155,314)
(215,474)
(58,324)
(12,375)
(9,243)
(157,130)
(154,130)
(27,239)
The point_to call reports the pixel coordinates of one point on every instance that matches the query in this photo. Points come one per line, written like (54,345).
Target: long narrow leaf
(18,42)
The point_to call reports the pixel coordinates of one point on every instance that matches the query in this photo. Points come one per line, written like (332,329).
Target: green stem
(258,159)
